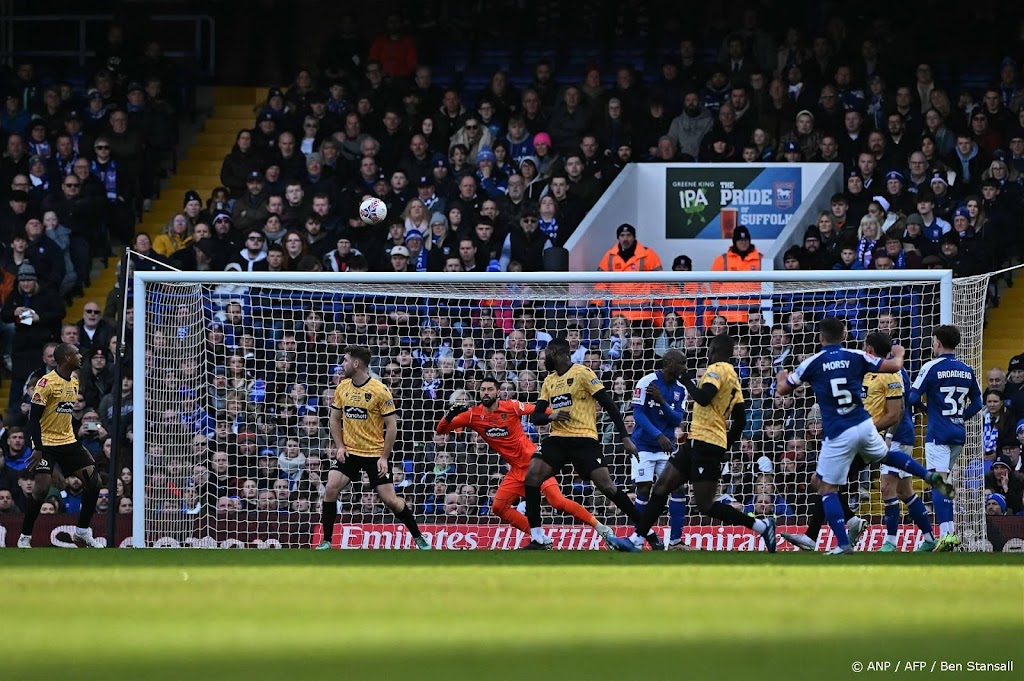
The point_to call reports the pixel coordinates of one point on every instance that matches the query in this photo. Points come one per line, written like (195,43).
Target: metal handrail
(205,59)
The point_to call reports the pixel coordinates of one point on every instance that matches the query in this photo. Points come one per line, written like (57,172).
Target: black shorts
(699,461)
(583,453)
(354,465)
(71,458)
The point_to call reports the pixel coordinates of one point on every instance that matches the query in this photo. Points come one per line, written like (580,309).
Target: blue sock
(834,516)
(919,513)
(943,507)
(905,462)
(892,516)
(640,504)
(676,517)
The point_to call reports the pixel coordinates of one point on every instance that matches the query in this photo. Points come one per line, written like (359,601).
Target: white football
(372,211)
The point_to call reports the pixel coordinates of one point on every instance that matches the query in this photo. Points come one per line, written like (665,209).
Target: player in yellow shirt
(718,399)
(364,425)
(573,391)
(54,444)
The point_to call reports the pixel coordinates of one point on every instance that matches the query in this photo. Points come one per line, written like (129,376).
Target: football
(372,211)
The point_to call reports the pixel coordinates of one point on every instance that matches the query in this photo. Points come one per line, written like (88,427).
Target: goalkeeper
(499,423)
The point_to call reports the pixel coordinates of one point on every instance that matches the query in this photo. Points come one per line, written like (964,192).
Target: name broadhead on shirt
(949,386)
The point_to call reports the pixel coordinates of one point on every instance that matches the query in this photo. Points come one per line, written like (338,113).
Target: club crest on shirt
(368,396)
(568,381)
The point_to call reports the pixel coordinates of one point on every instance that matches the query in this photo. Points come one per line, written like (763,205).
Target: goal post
(233,374)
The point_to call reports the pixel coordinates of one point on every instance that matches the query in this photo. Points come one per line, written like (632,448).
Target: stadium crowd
(477,181)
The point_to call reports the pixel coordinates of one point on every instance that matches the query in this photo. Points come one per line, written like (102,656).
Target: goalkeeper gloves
(455,411)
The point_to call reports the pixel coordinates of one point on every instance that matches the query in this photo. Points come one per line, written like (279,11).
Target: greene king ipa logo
(709,203)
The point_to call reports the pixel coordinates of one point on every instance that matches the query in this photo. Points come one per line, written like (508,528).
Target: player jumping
(571,391)
(718,399)
(951,391)
(364,425)
(836,376)
(499,423)
(658,409)
(54,444)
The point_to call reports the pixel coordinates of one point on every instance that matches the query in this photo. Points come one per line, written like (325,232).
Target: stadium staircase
(234,108)
(1004,336)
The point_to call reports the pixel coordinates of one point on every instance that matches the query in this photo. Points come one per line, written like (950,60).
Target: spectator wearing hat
(953,259)
(399,260)
(742,256)
(791,258)
(36,314)
(525,243)
(995,504)
(251,209)
(629,255)
(900,201)
(813,256)
(791,152)
(415,244)
(1013,391)
(492,181)
(96,379)
(1002,479)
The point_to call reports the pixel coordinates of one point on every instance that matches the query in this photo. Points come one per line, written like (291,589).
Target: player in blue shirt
(951,390)
(836,376)
(657,411)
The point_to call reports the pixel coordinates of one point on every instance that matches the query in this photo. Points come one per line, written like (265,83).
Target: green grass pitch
(192,615)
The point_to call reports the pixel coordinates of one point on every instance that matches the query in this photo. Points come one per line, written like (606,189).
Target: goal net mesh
(238,380)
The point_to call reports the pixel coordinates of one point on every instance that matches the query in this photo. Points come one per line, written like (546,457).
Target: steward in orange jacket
(742,257)
(629,255)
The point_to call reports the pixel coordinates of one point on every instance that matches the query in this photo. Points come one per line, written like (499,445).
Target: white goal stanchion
(234,375)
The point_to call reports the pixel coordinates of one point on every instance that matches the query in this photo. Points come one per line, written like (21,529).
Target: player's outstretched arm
(893,363)
(703,394)
(782,385)
(457,417)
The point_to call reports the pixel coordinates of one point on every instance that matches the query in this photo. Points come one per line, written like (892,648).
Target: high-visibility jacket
(686,307)
(725,293)
(643,260)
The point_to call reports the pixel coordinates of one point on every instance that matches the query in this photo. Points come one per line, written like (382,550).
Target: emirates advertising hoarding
(709,203)
(1005,533)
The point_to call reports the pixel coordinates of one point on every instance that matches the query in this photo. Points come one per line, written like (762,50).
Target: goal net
(235,374)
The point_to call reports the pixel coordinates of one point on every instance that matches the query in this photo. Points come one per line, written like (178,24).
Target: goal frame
(143,279)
